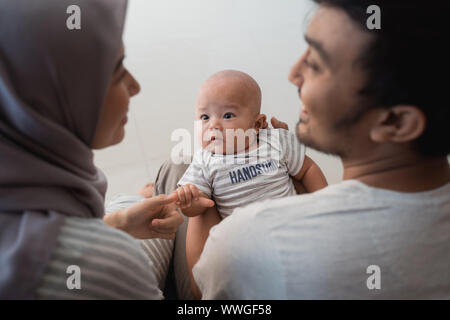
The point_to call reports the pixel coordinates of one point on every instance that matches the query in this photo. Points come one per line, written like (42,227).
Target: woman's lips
(125,120)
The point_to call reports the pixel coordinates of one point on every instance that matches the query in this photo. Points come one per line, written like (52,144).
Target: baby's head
(229,100)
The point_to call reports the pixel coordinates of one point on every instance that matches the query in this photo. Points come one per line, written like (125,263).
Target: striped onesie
(240,179)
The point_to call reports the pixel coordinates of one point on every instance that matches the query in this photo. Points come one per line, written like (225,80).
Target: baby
(240,162)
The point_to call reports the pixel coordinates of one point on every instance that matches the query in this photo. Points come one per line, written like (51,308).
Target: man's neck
(402,172)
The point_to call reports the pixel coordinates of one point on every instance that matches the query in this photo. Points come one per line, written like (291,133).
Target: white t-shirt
(238,180)
(332,244)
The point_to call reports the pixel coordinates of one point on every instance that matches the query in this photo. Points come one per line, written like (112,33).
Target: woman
(63,93)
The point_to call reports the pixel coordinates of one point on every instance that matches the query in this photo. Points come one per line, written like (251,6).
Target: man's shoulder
(329,199)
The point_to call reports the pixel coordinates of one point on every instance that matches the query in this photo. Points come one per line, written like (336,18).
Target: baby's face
(227,110)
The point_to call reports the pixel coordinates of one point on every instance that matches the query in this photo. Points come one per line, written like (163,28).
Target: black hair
(407,62)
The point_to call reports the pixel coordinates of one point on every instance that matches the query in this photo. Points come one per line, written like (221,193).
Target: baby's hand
(189,195)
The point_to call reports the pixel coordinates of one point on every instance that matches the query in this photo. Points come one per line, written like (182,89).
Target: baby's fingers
(194,191)
(188,195)
(181,196)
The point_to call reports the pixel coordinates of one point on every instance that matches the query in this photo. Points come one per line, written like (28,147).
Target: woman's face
(123,86)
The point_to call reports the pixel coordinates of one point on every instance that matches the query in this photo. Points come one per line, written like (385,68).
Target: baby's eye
(228,115)
(204,117)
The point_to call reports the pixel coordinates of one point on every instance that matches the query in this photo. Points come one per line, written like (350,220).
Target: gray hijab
(53,82)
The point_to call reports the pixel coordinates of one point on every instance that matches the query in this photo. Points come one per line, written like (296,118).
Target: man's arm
(310,176)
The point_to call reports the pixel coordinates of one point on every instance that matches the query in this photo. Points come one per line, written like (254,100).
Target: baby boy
(240,162)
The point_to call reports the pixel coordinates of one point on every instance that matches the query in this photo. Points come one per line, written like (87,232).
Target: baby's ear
(261,122)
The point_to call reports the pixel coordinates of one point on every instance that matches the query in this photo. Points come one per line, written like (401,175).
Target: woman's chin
(118,137)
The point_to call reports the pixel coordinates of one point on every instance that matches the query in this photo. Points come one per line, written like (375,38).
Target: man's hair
(407,62)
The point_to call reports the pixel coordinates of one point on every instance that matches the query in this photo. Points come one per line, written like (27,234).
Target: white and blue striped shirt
(237,180)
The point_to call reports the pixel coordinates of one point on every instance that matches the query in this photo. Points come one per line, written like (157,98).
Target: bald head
(234,86)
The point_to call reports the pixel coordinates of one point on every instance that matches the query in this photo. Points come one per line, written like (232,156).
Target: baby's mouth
(215,139)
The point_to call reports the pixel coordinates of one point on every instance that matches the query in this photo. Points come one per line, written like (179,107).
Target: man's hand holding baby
(191,200)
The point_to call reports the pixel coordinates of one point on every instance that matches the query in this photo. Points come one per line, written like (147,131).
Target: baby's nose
(214,124)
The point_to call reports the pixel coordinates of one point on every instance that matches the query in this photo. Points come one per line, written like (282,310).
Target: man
(373,98)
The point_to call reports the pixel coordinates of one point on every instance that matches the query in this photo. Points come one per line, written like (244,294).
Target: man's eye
(228,115)
(311,65)
(204,117)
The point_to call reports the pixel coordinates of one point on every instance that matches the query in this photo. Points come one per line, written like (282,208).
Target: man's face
(328,78)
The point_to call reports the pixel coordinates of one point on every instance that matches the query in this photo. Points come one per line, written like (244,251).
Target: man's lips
(304,115)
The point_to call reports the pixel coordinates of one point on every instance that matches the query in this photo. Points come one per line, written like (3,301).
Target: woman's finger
(172,198)
(150,206)
(169,224)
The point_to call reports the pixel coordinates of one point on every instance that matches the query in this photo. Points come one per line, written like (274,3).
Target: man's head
(227,101)
(373,91)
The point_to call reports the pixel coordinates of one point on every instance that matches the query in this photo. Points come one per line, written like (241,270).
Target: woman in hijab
(63,93)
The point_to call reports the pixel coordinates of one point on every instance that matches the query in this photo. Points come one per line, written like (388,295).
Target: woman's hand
(155,217)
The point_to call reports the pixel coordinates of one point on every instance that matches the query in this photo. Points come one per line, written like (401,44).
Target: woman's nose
(134,87)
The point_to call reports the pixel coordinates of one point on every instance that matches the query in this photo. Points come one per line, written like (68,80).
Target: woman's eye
(204,117)
(121,74)
(228,115)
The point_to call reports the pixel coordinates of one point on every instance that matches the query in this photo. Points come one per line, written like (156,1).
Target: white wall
(172,46)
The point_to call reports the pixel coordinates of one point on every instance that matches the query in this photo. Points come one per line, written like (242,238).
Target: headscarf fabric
(53,83)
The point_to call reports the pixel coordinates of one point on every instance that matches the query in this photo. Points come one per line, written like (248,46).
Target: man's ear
(261,122)
(402,123)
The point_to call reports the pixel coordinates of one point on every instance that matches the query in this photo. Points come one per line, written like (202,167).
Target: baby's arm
(191,200)
(197,234)
(310,176)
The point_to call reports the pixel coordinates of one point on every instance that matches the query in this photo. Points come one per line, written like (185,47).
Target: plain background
(172,46)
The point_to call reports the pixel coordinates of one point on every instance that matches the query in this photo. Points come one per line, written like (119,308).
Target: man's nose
(296,73)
